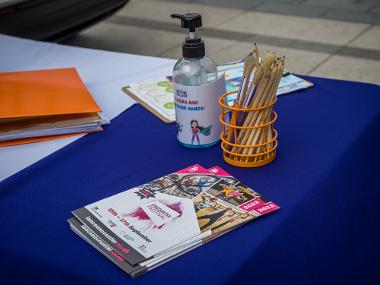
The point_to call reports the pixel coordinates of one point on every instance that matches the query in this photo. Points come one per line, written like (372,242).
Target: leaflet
(154,222)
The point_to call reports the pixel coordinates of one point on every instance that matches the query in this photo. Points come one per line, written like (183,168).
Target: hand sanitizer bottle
(196,90)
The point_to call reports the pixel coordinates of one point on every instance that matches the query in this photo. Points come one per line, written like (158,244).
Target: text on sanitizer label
(198,111)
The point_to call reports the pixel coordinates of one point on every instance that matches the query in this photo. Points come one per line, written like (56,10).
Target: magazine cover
(158,220)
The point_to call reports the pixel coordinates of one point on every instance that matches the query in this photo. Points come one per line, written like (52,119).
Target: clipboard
(151,108)
(289,83)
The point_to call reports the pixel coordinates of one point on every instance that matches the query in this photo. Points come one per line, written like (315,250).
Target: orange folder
(43,93)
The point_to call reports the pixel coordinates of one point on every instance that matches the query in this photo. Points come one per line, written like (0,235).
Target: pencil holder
(248,138)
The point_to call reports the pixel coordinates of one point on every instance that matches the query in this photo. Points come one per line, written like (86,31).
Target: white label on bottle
(198,111)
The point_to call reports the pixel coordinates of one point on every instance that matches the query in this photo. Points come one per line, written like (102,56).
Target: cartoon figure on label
(196,130)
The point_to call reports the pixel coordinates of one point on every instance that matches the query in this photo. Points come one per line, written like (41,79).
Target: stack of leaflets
(148,225)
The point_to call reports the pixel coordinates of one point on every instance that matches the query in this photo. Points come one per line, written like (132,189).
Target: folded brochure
(148,225)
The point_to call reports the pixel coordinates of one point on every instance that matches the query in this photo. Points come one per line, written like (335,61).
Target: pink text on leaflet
(267,208)
(251,205)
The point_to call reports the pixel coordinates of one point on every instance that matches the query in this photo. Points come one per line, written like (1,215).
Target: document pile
(148,225)
(45,104)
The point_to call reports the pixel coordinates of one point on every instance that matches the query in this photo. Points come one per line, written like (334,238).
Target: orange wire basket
(236,150)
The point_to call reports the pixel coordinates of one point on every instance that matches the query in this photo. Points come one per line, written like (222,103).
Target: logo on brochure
(159,213)
(156,214)
(146,193)
(111,224)
(142,248)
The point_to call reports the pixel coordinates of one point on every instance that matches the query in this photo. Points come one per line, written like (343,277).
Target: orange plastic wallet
(38,93)
(44,92)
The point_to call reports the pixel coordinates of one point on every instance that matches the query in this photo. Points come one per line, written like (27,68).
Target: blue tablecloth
(325,178)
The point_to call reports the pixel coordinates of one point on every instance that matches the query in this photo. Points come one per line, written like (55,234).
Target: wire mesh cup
(248,137)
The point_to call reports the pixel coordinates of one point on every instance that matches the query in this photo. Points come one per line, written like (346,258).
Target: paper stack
(148,225)
(45,104)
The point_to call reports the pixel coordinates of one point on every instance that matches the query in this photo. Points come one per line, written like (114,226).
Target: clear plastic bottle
(196,90)
(194,71)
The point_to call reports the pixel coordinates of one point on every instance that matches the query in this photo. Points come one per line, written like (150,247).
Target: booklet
(144,227)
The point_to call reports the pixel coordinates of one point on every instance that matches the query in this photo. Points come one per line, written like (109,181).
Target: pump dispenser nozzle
(189,21)
(193,45)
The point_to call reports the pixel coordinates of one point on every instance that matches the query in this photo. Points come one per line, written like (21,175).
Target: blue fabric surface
(325,178)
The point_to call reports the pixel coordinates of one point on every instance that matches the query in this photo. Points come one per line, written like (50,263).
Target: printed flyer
(148,225)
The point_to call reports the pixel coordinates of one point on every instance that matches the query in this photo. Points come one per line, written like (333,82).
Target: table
(325,178)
